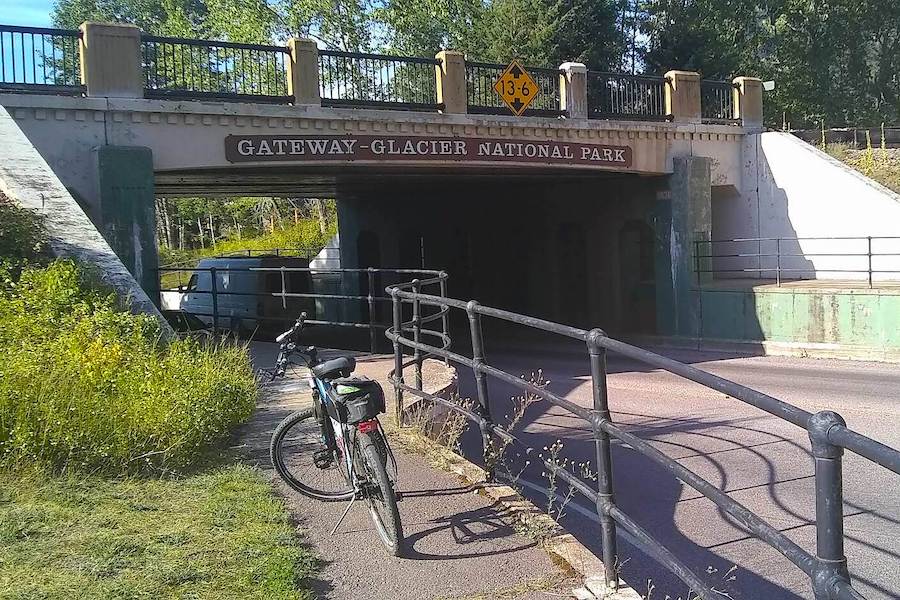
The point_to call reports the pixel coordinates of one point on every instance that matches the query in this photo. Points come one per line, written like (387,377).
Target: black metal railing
(185,68)
(871,259)
(829,437)
(483,99)
(242,298)
(629,97)
(37,59)
(359,80)
(717,102)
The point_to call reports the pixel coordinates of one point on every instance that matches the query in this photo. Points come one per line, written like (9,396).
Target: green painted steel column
(128,211)
(683,215)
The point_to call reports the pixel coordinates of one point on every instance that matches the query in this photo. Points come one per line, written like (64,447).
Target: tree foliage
(836,61)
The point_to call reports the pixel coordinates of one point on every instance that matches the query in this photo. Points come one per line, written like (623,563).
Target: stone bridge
(611,166)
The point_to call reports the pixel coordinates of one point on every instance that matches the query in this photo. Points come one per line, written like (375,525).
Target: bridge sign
(516,87)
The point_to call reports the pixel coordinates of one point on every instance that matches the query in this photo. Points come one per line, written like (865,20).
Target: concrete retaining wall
(791,189)
(859,323)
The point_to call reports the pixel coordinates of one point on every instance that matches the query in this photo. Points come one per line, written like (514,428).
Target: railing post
(417,332)
(870,259)
(481,386)
(748,102)
(215,299)
(397,306)
(778,262)
(111,64)
(283,289)
(573,90)
(303,72)
(831,563)
(605,499)
(450,81)
(683,96)
(445,319)
(371,299)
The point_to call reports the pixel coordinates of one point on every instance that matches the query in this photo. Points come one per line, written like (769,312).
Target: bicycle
(336,449)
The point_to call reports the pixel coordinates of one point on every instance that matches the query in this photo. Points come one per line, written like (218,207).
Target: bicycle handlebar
(292,334)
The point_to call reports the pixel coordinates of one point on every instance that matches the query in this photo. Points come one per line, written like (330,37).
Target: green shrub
(85,386)
(21,235)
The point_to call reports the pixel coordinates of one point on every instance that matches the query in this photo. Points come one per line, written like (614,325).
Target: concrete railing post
(450,77)
(111,60)
(303,71)
(683,96)
(748,101)
(573,90)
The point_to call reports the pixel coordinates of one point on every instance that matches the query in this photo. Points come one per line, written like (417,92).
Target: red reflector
(367,426)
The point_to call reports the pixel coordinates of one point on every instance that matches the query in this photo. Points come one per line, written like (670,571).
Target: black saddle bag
(355,399)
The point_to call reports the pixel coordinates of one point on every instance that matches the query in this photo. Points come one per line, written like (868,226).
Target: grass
(218,535)
(90,396)
(882,165)
(89,387)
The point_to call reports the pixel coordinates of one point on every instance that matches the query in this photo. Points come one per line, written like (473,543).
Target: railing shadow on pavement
(613,444)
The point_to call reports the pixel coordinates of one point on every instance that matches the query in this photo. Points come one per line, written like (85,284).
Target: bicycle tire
(289,463)
(383,508)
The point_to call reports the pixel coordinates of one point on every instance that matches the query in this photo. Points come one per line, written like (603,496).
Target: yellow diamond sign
(516,87)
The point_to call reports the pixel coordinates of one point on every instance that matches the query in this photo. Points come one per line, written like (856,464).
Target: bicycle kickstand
(344,515)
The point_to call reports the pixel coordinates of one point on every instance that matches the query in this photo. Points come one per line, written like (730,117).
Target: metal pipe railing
(791,264)
(829,436)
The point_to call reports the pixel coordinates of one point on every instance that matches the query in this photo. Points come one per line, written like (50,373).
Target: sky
(26,12)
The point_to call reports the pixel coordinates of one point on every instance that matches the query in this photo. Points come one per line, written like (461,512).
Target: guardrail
(185,68)
(629,97)
(361,80)
(40,60)
(871,258)
(482,99)
(717,102)
(828,433)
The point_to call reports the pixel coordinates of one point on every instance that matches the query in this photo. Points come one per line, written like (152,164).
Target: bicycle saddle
(341,366)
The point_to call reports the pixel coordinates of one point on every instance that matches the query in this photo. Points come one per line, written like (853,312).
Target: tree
(425,27)
(586,31)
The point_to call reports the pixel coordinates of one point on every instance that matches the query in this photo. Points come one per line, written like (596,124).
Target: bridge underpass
(575,247)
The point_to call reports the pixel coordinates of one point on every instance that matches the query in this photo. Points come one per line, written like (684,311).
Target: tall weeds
(86,386)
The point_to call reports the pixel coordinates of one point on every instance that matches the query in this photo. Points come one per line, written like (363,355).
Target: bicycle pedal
(398,496)
(322,459)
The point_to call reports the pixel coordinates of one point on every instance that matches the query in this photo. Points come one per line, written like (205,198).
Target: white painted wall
(791,189)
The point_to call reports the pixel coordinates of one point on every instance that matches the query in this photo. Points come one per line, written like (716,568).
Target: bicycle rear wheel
(380,496)
(302,459)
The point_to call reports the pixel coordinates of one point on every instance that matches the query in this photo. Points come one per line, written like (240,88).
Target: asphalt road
(757,459)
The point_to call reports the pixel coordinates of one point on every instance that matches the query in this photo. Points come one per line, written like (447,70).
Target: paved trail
(460,544)
(759,460)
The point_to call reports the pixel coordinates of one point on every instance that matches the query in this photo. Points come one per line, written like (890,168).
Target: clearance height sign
(375,148)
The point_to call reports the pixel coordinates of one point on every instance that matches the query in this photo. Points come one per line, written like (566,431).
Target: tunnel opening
(573,249)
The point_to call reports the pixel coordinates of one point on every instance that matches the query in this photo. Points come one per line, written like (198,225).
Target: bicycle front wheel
(380,496)
(302,458)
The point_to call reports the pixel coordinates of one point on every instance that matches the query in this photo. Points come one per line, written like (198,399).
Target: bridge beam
(683,216)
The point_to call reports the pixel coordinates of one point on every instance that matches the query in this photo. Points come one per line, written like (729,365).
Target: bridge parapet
(119,61)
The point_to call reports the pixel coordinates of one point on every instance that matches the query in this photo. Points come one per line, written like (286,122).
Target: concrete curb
(574,555)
